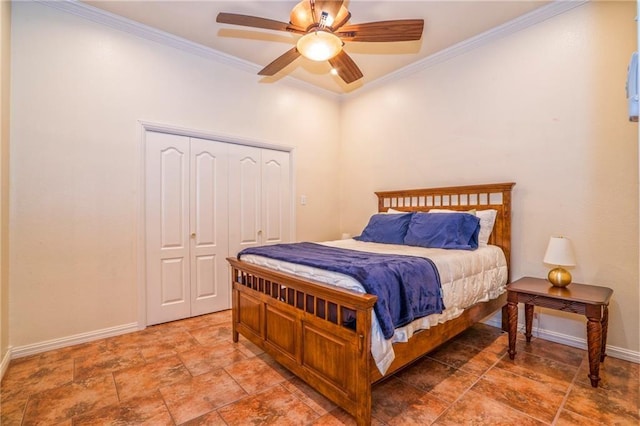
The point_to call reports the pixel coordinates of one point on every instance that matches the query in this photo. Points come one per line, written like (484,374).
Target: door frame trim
(148,126)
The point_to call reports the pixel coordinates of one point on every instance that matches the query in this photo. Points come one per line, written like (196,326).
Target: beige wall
(5,68)
(79,89)
(545,108)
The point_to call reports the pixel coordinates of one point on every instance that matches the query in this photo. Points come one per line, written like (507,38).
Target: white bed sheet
(467,277)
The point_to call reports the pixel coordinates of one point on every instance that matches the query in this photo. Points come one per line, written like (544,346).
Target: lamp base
(559,277)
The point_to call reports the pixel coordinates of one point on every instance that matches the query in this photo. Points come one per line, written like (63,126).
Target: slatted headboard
(480,197)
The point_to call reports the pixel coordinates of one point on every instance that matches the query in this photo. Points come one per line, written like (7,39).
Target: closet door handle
(193,235)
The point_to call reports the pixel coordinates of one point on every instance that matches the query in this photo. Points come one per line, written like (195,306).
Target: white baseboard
(4,364)
(35,348)
(22,351)
(576,342)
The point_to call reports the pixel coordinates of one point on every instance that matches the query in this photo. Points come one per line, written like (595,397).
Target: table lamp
(559,253)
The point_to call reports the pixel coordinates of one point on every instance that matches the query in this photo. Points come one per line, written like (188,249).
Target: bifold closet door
(209,218)
(259,197)
(186,209)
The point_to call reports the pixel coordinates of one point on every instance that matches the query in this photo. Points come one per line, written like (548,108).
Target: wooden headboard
(480,197)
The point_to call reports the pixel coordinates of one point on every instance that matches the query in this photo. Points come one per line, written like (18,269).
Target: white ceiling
(447,23)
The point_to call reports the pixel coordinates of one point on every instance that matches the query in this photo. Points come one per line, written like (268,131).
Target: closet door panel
(167,226)
(172,281)
(210,289)
(276,197)
(244,197)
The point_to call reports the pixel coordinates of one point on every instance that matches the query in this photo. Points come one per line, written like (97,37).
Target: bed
(301,323)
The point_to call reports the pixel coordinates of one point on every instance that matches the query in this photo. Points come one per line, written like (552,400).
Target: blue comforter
(407,287)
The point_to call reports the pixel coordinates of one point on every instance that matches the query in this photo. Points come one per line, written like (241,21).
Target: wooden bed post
(234,305)
(363,387)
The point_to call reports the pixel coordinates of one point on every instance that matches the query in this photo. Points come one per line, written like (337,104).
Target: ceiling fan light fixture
(319,45)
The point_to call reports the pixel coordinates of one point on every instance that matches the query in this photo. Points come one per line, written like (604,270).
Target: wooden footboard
(306,327)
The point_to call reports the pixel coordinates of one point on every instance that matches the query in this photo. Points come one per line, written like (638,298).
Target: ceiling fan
(323,27)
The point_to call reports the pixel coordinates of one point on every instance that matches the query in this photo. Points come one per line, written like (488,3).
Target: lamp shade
(560,252)
(319,45)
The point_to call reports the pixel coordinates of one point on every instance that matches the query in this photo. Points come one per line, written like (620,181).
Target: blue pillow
(443,230)
(386,228)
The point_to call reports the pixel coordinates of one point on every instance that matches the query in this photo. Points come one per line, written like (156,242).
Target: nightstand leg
(512,313)
(594,343)
(505,322)
(528,319)
(605,327)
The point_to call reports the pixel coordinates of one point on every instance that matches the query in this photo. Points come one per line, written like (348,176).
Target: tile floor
(189,372)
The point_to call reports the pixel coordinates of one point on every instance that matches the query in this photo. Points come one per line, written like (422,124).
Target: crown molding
(103,17)
(88,12)
(534,17)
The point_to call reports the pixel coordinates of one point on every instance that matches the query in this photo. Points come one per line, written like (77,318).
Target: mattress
(467,277)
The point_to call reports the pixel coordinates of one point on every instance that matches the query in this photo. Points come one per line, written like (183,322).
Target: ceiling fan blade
(280,62)
(256,22)
(345,67)
(397,30)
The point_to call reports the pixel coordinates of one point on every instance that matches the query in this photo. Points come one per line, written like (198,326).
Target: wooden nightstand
(589,300)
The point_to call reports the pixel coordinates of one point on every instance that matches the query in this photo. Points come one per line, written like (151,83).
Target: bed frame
(300,322)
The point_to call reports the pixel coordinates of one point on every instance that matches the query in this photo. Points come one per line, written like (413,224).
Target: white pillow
(394,211)
(487,220)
